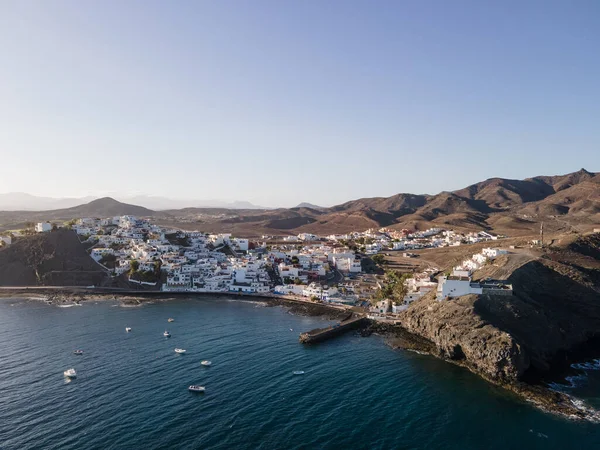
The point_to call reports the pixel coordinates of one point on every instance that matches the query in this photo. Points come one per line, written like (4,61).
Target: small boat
(78,352)
(291,329)
(70,373)
(170,320)
(196,388)
(166,334)
(128,329)
(180,350)
(206,363)
(298,372)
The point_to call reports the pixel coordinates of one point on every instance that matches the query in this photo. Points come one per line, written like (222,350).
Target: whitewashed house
(43,227)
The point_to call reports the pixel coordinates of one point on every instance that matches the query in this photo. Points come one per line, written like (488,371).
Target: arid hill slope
(49,259)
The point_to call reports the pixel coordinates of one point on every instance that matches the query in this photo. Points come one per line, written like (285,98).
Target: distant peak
(308,205)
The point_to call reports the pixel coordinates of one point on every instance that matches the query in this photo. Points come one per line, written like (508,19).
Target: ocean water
(131,388)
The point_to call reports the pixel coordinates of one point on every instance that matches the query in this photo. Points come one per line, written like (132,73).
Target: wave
(590,365)
(572,382)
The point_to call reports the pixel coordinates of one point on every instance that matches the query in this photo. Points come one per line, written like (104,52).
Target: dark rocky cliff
(552,318)
(49,259)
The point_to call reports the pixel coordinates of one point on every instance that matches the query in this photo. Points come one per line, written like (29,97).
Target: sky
(281,102)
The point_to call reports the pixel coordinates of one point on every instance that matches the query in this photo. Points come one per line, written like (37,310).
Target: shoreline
(78,295)
(538,394)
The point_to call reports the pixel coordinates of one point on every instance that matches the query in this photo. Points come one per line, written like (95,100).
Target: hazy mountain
(309,205)
(20,201)
(104,207)
(164,203)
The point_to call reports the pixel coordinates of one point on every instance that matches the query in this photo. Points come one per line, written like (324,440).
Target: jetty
(321,334)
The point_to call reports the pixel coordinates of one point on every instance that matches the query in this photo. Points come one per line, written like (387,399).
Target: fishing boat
(196,388)
(180,350)
(70,373)
(206,363)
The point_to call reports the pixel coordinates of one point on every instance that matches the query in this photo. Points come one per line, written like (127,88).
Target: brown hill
(56,258)
(102,207)
(582,198)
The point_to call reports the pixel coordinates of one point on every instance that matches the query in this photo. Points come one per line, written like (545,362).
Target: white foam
(590,365)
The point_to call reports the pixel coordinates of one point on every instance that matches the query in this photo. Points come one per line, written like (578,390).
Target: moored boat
(70,373)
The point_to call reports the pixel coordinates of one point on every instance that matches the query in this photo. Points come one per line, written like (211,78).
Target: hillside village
(336,269)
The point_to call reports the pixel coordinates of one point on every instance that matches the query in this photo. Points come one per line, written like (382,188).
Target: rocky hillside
(49,259)
(552,318)
(513,207)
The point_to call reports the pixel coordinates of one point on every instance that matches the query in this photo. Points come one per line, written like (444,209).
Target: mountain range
(20,201)
(563,202)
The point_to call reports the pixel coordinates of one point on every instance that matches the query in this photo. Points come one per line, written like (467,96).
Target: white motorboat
(70,373)
(170,320)
(180,350)
(206,363)
(298,372)
(78,352)
(166,334)
(128,329)
(196,388)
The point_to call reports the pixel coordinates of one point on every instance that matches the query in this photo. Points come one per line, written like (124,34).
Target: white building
(450,287)
(381,307)
(290,289)
(98,253)
(43,227)
(288,271)
(493,252)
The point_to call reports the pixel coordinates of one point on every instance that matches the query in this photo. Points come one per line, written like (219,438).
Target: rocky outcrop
(460,334)
(551,320)
(49,259)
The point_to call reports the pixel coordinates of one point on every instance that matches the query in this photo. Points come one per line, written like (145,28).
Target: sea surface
(131,389)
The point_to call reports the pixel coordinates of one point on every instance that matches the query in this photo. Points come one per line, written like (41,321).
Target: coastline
(59,295)
(540,395)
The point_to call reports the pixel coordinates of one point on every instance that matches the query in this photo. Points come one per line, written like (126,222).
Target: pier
(322,334)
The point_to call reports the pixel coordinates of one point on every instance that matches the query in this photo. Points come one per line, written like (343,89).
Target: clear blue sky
(283,101)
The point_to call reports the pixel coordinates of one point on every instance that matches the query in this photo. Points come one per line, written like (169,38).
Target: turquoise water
(131,389)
